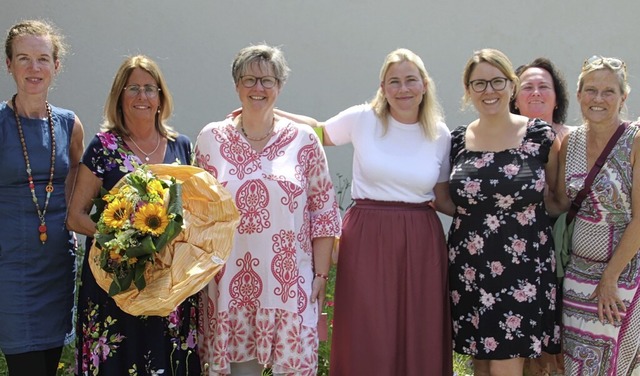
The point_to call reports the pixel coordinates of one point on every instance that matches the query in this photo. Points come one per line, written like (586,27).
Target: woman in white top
(391,304)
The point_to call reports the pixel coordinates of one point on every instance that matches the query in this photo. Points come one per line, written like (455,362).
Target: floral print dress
(501,261)
(110,341)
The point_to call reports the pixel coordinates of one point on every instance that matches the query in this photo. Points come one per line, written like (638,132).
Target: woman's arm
(321,263)
(606,293)
(302,119)
(75,153)
(87,187)
(556,199)
(443,202)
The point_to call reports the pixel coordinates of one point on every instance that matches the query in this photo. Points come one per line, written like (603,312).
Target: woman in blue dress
(110,341)
(40,146)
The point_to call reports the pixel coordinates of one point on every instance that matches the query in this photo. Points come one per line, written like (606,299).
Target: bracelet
(326,277)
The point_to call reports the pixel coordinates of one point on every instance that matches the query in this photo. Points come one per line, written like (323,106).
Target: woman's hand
(319,291)
(609,303)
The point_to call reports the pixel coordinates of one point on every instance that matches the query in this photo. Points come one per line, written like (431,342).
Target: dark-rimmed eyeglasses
(596,61)
(267,82)
(150,91)
(497,83)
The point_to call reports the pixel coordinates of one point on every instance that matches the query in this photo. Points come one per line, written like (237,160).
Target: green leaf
(120,284)
(146,248)
(100,204)
(138,278)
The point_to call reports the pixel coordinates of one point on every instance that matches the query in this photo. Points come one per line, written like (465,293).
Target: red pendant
(43,233)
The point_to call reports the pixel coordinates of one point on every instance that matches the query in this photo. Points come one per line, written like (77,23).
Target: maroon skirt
(391,314)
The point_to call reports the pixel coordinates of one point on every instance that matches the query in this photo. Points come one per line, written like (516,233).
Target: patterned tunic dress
(502,266)
(593,348)
(110,341)
(258,306)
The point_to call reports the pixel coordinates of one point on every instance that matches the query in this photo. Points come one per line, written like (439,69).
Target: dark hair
(559,86)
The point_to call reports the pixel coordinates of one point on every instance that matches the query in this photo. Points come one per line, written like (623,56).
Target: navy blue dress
(36,280)
(110,341)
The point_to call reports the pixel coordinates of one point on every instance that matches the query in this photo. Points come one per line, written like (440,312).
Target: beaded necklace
(257,139)
(42,229)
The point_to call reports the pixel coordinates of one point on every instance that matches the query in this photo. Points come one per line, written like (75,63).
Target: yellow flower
(151,218)
(117,213)
(132,260)
(115,255)
(155,187)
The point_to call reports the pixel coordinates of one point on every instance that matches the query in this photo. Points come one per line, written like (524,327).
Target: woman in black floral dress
(110,341)
(502,266)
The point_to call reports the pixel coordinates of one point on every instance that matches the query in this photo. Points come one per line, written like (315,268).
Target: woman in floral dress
(502,266)
(110,341)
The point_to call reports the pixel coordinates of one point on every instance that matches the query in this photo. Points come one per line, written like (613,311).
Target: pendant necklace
(257,139)
(147,155)
(42,229)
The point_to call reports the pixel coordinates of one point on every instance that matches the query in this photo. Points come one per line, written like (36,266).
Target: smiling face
(489,101)
(404,89)
(139,108)
(258,98)
(601,98)
(537,96)
(32,64)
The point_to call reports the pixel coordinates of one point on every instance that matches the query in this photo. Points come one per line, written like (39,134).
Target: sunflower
(117,213)
(152,219)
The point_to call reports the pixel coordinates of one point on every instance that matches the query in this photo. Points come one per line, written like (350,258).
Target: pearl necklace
(257,139)
(147,155)
(42,229)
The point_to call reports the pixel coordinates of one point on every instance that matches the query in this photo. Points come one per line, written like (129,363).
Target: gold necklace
(273,122)
(42,229)
(147,155)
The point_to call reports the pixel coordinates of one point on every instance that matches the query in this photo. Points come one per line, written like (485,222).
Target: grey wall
(334,47)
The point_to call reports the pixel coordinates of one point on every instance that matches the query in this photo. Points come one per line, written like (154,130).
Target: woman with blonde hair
(391,312)
(502,276)
(134,132)
(601,305)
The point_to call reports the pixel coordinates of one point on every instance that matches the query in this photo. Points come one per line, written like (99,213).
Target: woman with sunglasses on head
(262,310)
(502,276)
(40,146)
(601,304)
(134,132)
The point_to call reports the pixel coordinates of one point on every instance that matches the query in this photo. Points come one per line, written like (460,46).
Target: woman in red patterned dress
(262,309)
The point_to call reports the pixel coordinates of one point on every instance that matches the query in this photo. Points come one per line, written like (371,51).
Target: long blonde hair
(430,111)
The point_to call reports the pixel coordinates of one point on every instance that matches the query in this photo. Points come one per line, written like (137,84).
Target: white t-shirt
(401,165)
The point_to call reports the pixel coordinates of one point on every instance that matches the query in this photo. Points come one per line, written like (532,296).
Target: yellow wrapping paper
(193,258)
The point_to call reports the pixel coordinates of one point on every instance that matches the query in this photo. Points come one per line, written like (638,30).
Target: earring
(158,110)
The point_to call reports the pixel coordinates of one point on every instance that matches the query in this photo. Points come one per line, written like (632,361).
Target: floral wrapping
(111,342)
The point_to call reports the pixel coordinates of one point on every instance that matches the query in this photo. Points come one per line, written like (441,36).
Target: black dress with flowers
(502,276)
(110,341)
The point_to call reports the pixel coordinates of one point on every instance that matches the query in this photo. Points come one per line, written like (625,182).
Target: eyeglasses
(596,61)
(497,83)
(267,82)
(150,91)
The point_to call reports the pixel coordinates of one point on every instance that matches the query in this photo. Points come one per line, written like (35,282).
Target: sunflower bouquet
(135,220)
